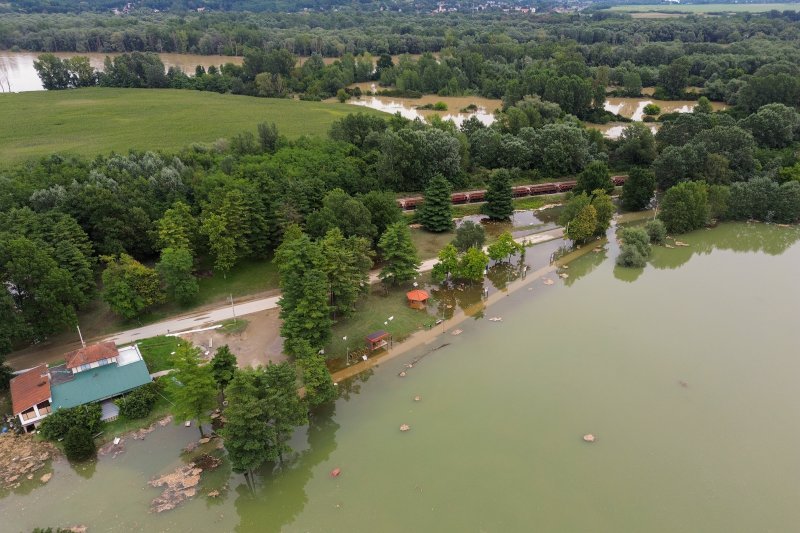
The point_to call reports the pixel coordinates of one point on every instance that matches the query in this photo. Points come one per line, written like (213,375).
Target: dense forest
(66,219)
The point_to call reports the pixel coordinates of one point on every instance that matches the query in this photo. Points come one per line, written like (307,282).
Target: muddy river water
(686,371)
(16,68)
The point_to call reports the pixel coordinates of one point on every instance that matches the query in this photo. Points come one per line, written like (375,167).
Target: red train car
(619,180)
(409,204)
(459,197)
(566,185)
(476,196)
(521,190)
(543,188)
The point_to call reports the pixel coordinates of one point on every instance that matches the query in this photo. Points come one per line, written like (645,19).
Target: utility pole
(80,335)
(233,309)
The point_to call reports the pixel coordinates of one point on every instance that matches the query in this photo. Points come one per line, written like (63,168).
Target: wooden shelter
(417,298)
(379,339)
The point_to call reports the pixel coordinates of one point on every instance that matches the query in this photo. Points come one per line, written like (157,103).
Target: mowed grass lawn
(706,8)
(101,120)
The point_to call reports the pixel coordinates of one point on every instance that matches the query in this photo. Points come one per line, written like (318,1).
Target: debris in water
(563,275)
(335,472)
(457,332)
(589,437)
(181,484)
(564,266)
(213,494)
(45,478)
(597,249)
(548,281)
(496,319)
(683,384)
(669,246)
(402,374)
(449,306)
(680,243)
(417,398)
(405,427)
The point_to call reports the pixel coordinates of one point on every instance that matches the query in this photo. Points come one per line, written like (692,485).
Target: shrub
(652,109)
(57,425)
(139,402)
(638,238)
(79,444)
(440,106)
(657,231)
(630,257)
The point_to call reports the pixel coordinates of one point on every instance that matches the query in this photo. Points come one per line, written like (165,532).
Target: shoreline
(421,338)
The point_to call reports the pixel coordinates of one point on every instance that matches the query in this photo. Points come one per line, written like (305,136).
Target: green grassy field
(706,8)
(100,120)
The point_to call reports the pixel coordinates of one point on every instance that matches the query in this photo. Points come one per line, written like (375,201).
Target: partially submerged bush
(79,444)
(638,238)
(657,231)
(630,257)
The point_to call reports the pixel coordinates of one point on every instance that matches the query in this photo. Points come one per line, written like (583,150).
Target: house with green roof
(92,374)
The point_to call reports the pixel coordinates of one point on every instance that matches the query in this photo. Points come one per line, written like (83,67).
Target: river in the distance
(685,370)
(18,73)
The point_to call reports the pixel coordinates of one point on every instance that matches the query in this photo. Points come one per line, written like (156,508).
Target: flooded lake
(685,370)
(633,108)
(408,107)
(16,68)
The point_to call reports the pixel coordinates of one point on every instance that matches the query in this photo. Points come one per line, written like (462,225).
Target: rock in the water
(45,478)
(405,427)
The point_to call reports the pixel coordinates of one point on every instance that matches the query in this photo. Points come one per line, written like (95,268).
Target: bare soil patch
(258,344)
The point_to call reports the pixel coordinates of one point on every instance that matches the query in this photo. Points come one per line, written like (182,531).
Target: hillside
(100,120)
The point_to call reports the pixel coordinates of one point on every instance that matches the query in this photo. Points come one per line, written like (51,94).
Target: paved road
(225,312)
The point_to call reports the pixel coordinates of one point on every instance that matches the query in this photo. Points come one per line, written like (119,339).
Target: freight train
(519,191)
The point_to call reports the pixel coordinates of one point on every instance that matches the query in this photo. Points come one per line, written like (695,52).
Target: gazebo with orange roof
(417,298)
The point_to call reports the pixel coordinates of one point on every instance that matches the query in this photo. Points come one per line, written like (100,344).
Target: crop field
(706,8)
(101,120)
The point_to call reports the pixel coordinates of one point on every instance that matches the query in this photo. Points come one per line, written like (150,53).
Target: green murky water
(686,371)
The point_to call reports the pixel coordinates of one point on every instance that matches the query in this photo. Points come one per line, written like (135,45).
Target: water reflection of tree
(352,386)
(85,469)
(280,496)
(627,274)
(501,274)
(584,266)
(467,297)
(736,237)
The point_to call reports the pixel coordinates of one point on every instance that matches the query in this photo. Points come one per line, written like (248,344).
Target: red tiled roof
(30,388)
(91,354)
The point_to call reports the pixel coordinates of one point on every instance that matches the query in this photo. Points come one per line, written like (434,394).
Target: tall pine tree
(399,254)
(499,204)
(436,212)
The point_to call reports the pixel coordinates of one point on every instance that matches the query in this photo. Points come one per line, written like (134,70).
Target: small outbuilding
(417,298)
(379,339)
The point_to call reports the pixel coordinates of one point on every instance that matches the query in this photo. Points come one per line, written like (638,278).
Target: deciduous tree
(129,287)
